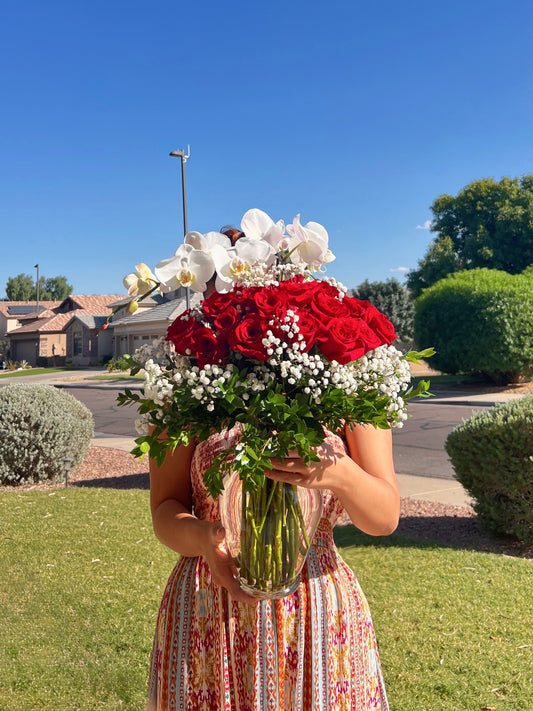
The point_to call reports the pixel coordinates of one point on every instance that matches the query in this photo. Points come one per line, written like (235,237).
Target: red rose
(180,332)
(226,321)
(217,304)
(348,339)
(248,337)
(207,348)
(326,306)
(380,324)
(357,307)
(299,292)
(266,301)
(309,327)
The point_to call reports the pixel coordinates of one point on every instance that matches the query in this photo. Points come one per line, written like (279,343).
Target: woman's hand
(362,478)
(315,475)
(218,559)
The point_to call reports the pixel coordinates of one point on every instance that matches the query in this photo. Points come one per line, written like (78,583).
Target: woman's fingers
(222,568)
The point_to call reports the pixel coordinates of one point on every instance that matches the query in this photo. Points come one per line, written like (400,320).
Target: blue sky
(356,115)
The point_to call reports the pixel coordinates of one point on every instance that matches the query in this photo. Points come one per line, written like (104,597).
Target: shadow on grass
(128,481)
(459,533)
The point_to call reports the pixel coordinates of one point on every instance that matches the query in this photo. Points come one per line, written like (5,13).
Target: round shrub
(478,321)
(492,454)
(39,427)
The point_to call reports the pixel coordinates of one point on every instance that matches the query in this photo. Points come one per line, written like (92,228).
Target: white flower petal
(253,251)
(195,239)
(255,223)
(206,242)
(188,267)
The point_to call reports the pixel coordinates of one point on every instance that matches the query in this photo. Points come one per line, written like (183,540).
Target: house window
(78,343)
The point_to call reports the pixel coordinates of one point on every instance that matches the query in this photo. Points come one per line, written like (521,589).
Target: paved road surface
(419,444)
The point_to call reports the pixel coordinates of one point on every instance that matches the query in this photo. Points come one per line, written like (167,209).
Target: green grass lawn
(33,371)
(117,376)
(82,576)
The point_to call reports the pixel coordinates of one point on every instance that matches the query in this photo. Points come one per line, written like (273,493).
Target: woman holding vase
(283,383)
(216,647)
(219,648)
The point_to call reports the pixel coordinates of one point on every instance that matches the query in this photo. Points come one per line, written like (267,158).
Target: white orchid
(237,261)
(208,241)
(201,256)
(257,225)
(188,267)
(309,243)
(141,281)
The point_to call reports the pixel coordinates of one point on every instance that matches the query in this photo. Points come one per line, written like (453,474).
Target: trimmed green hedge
(40,426)
(479,321)
(492,454)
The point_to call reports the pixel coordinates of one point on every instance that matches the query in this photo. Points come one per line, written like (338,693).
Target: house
(130,331)
(42,339)
(14,313)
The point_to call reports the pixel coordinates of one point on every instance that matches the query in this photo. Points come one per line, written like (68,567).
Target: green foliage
(40,426)
(439,261)
(273,421)
(20,288)
(4,349)
(492,454)
(488,224)
(54,288)
(122,364)
(479,321)
(394,300)
(23,288)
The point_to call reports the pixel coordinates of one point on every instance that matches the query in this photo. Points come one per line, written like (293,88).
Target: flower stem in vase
(274,539)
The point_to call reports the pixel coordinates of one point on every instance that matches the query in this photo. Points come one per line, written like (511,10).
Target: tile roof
(17,309)
(53,324)
(95,303)
(88,320)
(164,312)
(54,320)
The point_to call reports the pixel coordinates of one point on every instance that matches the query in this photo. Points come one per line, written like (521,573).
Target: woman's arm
(364,482)
(176,526)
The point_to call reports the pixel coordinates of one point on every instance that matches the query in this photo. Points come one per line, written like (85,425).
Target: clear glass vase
(268,533)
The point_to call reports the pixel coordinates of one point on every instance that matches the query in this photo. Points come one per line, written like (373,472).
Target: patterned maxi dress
(314,650)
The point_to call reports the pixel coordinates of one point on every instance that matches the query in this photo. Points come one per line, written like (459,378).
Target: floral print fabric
(314,650)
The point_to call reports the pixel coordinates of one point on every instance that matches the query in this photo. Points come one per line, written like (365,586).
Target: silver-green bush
(492,454)
(40,426)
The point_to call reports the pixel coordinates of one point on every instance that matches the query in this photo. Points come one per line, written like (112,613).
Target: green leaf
(416,356)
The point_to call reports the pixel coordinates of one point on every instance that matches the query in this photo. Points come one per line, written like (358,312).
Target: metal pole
(184,194)
(36,266)
(183,156)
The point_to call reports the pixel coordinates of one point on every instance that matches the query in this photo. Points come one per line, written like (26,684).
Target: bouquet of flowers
(275,351)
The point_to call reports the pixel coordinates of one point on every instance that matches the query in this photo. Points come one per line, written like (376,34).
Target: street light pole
(184,157)
(36,266)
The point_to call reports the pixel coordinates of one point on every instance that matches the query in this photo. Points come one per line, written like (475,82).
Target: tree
(479,320)
(488,224)
(394,300)
(55,288)
(22,288)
